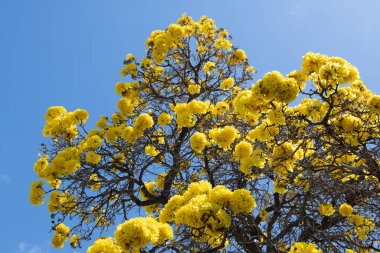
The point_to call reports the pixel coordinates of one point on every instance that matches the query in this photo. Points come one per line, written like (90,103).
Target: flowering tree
(289,164)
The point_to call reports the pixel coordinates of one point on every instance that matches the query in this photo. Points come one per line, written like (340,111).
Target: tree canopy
(198,159)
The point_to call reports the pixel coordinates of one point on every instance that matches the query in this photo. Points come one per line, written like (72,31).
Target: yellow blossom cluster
(74,241)
(221,42)
(198,141)
(264,132)
(313,109)
(243,150)
(345,210)
(220,108)
(61,202)
(150,187)
(351,128)
(151,150)
(224,137)
(130,68)
(61,234)
(301,181)
(92,157)
(95,184)
(162,41)
(273,89)
(141,123)
(164,119)
(362,224)
(137,233)
(129,93)
(161,180)
(60,123)
(326,209)
(283,158)
(208,67)
(303,247)
(64,163)
(328,72)
(257,158)
(40,165)
(227,84)
(204,209)
(194,88)
(185,112)
(237,57)
(276,117)
(274,86)
(374,104)
(37,194)
(104,245)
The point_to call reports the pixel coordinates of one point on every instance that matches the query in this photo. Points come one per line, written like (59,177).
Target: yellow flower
(74,241)
(198,141)
(326,209)
(227,84)
(61,234)
(225,136)
(220,108)
(37,194)
(125,106)
(243,150)
(130,69)
(303,247)
(194,88)
(41,165)
(242,201)
(93,157)
(54,112)
(95,184)
(137,233)
(345,210)
(161,180)
(276,117)
(238,56)
(280,186)
(143,121)
(250,69)
(374,104)
(102,122)
(151,150)
(104,245)
(164,119)
(208,67)
(81,116)
(146,63)
(94,141)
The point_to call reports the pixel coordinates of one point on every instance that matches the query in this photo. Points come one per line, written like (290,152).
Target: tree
(290,164)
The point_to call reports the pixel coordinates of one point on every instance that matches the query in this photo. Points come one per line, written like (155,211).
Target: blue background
(69,52)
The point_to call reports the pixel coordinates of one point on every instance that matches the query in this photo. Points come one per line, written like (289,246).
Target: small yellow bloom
(345,210)
(326,209)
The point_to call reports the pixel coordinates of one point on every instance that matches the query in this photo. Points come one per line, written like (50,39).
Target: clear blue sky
(69,52)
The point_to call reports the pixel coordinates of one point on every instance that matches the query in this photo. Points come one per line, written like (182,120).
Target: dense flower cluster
(207,211)
(224,137)
(61,234)
(303,247)
(59,122)
(137,233)
(37,194)
(104,245)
